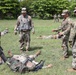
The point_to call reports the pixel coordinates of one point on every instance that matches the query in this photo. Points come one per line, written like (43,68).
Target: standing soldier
(55,18)
(72,40)
(65,27)
(25,25)
(58,17)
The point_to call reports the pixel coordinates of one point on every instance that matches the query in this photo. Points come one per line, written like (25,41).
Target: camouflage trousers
(72,37)
(72,40)
(74,56)
(55,19)
(24,40)
(65,45)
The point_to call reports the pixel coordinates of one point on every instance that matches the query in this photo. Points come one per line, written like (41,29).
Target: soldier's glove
(33,32)
(61,33)
(15,32)
(55,30)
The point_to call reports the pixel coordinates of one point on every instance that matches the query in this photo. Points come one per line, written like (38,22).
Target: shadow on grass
(34,48)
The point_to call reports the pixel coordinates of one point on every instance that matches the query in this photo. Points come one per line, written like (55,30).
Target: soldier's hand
(54,30)
(40,37)
(33,32)
(61,33)
(15,32)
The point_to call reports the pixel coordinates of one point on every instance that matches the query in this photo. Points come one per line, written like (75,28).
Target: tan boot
(62,58)
(38,53)
(71,70)
(49,66)
(10,53)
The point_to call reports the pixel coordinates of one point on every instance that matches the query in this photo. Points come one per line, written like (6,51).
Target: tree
(46,8)
(9,8)
(72,7)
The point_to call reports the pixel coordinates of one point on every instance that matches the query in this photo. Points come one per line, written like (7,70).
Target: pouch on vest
(25,24)
(17,65)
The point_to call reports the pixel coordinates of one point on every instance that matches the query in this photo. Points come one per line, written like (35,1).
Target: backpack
(24,66)
(18,66)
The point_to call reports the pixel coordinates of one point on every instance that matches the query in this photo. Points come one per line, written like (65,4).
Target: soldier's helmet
(23,10)
(64,12)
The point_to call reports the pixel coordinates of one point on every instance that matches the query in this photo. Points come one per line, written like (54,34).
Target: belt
(25,30)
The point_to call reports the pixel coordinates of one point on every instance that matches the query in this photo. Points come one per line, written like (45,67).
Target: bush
(9,8)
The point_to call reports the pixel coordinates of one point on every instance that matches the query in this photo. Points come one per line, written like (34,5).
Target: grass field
(50,48)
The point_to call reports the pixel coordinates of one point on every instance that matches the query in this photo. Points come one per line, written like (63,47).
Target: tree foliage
(46,8)
(9,8)
(72,7)
(43,9)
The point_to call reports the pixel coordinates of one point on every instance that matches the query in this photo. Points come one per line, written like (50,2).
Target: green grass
(50,48)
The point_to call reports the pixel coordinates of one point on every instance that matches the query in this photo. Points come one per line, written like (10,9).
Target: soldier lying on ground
(57,36)
(22,63)
(72,40)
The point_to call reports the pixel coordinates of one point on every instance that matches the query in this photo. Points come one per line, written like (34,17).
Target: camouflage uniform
(25,25)
(58,17)
(72,40)
(65,27)
(55,18)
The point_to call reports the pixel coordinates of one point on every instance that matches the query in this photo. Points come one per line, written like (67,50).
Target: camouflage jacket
(65,26)
(24,23)
(72,32)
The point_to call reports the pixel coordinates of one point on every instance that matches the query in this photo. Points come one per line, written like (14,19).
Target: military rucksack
(22,67)
(18,66)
